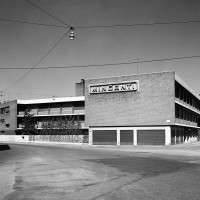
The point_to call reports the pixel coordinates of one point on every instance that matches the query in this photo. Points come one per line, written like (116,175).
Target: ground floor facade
(154,135)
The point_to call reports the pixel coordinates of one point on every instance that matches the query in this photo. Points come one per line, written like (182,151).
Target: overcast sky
(23,45)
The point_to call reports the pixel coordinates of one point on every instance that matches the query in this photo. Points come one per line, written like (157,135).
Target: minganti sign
(114,87)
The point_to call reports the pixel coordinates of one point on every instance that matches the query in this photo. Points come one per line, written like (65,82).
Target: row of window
(5,110)
(54,111)
(182,94)
(185,114)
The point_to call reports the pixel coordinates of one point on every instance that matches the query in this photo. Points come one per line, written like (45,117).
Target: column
(118,136)
(135,137)
(90,136)
(168,135)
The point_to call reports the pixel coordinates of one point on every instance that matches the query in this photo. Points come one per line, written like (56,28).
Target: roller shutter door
(104,137)
(126,137)
(151,137)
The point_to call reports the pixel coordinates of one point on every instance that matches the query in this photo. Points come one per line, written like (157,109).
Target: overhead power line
(41,59)
(33,23)
(106,64)
(47,12)
(101,26)
(139,24)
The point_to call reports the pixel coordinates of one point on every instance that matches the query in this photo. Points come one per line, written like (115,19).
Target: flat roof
(52,100)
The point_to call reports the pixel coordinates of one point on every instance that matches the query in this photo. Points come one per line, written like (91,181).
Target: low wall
(78,139)
(14,138)
(59,138)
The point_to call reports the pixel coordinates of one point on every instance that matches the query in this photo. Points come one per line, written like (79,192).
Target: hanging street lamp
(71,36)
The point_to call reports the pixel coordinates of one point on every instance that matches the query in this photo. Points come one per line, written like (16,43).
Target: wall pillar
(168,135)
(135,137)
(90,136)
(118,136)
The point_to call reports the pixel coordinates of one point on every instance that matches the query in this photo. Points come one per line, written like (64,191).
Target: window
(181,94)
(7,125)
(5,110)
(181,113)
(188,99)
(177,111)
(185,97)
(191,101)
(2,110)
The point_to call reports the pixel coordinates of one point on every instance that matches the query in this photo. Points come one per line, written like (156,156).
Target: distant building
(143,109)
(12,112)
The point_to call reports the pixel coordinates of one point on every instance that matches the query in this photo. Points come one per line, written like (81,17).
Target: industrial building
(142,109)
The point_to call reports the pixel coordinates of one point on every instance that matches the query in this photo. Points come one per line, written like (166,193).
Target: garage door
(126,137)
(151,137)
(104,137)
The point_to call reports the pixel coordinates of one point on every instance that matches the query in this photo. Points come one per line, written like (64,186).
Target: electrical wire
(43,57)
(107,64)
(47,12)
(101,26)
(139,24)
(32,23)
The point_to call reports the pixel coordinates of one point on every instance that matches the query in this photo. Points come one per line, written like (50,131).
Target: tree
(28,123)
(61,126)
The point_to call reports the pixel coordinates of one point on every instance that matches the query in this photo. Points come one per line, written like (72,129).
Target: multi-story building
(142,109)
(12,112)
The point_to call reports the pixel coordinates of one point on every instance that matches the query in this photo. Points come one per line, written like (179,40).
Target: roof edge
(130,75)
(186,86)
(52,100)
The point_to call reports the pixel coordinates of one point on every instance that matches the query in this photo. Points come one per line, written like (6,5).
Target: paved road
(33,172)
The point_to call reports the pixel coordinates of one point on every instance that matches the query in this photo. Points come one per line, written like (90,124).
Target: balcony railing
(55,111)
(186,104)
(79,110)
(182,121)
(67,110)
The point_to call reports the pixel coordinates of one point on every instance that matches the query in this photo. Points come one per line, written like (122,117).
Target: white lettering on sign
(114,87)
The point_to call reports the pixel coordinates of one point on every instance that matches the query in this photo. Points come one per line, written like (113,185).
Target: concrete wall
(10,118)
(78,139)
(152,105)
(14,138)
(59,138)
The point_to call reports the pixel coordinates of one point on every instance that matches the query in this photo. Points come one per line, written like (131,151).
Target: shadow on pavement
(143,165)
(4,147)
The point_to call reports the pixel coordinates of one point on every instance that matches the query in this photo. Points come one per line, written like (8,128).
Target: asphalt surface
(33,172)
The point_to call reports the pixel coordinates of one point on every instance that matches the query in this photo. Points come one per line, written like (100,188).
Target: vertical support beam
(118,136)
(168,135)
(175,135)
(90,136)
(135,137)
